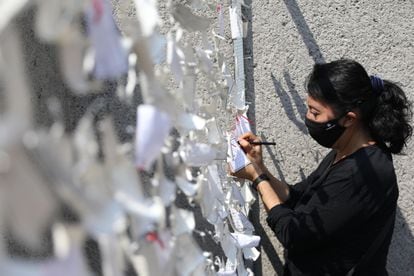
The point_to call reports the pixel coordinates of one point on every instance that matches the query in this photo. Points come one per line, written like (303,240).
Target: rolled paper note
(153,127)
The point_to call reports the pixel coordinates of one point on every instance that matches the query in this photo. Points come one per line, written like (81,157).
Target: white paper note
(106,220)
(72,53)
(26,201)
(153,127)
(251,253)
(183,221)
(16,116)
(237,196)
(205,60)
(148,17)
(240,222)
(175,57)
(146,213)
(166,188)
(214,133)
(235,21)
(189,121)
(249,197)
(9,10)
(215,182)
(228,245)
(209,203)
(197,154)
(55,17)
(242,124)
(244,241)
(220,19)
(111,254)
(158,48)
(236,158)
(188,255)
(111,59)
(188,188)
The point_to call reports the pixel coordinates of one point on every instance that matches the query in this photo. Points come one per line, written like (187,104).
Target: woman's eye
(313,113)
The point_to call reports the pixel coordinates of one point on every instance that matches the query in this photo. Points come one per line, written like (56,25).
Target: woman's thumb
(245,145)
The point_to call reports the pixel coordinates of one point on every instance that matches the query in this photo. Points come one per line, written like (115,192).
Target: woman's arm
(336,208)
(274,191)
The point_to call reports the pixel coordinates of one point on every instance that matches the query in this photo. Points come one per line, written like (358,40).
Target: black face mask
(327,133)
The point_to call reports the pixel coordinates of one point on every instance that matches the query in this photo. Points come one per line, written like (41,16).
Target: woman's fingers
(246,146)
(249,136)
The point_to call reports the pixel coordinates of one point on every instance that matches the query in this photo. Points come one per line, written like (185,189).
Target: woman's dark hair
(345,85)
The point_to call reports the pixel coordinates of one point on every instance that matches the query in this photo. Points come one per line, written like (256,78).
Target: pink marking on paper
(98,8)
(153,237)
(244,117)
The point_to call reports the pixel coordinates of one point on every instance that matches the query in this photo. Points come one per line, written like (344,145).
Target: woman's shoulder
(369,166)
(367,176)
(371,158)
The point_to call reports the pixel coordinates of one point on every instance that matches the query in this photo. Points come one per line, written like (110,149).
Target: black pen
(263,143)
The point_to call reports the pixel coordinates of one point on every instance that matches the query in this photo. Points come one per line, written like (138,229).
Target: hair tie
(377,85)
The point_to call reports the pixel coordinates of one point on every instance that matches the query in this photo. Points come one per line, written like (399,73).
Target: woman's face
(326,127)
(319,111)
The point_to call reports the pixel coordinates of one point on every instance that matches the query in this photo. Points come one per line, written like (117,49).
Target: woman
(339,220)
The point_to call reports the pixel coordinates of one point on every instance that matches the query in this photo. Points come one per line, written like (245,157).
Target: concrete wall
(284,39)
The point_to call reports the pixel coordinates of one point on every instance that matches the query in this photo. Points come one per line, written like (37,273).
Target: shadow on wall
(266,245)
(402,247)
(286,98)
(304,30)
(286,101)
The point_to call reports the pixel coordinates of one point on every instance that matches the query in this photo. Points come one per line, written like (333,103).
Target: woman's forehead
(318,104)
(315,103)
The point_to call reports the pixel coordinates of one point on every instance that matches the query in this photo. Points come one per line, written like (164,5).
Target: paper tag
(242,124)
(246,241)
(147,15)
(240,222)
(184,222)
(229,247)
(220,19)
(111,59)
(251,253)
(236,158)
(235,21)
(9,10)
(174,58)
(153,127)
(197,154)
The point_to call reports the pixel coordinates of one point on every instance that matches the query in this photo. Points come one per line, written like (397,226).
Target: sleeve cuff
(293,197)
(276,213)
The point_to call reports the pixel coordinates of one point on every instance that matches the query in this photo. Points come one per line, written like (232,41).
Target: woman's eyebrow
(312,107)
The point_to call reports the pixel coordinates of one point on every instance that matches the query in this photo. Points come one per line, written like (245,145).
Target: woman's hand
(254,153)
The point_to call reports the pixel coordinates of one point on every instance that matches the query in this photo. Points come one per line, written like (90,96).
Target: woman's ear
(350,119)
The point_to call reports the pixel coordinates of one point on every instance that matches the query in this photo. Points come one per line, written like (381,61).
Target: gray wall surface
(285,38)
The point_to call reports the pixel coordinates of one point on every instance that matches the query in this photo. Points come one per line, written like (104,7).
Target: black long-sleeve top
(326,226)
